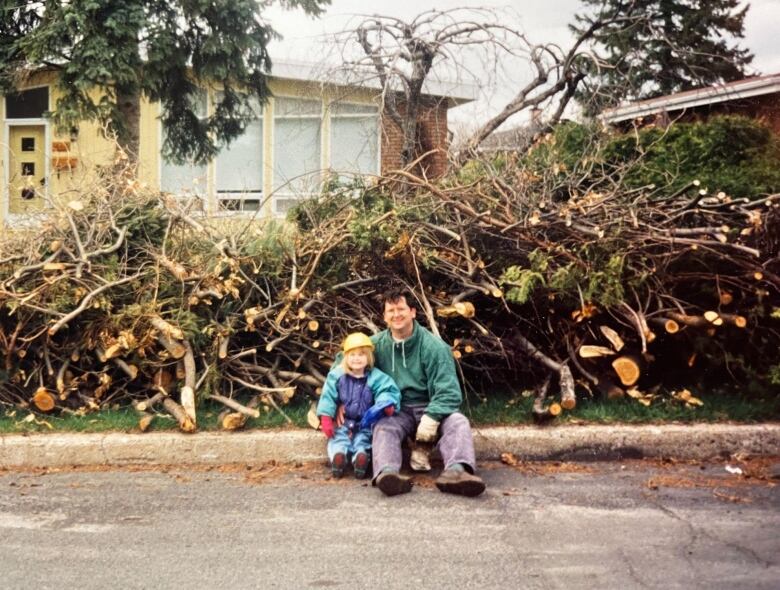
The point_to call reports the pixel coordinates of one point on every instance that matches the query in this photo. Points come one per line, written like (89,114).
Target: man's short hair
(394,295)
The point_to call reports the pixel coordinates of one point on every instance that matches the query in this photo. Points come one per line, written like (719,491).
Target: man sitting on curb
(424,369)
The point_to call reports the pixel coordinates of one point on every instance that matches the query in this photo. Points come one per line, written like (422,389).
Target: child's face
(357,360)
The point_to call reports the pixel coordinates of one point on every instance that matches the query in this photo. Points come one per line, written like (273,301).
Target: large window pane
(297,129)
(240,166)
(27,104)
(183,179)
(186,179)
(354,145)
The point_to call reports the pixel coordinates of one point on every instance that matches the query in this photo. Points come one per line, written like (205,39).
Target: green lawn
(497,410)
(716,408)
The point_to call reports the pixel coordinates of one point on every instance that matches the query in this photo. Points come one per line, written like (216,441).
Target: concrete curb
(696,441)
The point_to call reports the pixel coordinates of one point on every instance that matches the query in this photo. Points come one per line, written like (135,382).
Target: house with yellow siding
(308,129)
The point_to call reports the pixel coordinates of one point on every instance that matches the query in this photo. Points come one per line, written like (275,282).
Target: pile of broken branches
(124,296)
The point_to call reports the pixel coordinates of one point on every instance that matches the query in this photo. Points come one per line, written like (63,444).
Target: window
(27,104)
(354,138)
(186,179)
(240,168)
(297,133)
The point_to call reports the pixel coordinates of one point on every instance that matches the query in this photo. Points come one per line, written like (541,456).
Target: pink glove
(389,410)
(326,425)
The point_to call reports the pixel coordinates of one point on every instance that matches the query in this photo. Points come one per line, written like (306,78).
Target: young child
(358,386)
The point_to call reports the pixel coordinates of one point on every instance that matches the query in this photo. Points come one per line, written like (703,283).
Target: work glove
(427,429)
(420,459)
(326,425)
(389,410)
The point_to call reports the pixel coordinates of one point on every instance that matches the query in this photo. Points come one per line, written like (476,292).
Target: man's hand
(340,416)
(427,429)
(326,424)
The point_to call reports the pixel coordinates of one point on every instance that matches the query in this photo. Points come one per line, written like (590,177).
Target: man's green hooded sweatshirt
(423,368)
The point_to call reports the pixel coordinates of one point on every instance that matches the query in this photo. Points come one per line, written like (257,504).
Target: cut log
(145,421)
(462,308)
(223,346)
(175,268)
(693,321)
(541,411)
(726,298)
(187,396)
(129,370)
(61,378)
(275,342)
(669,325)
(147,404)
(175,349)
(231,420)
(311,416)
(175,410)
(628,369)
(738,321)
(589,351)
(713,317)
(190,380)
(236,406)
(566,382)
(166,328)
(43,400)
(313,325)
(614,338)
(566,379)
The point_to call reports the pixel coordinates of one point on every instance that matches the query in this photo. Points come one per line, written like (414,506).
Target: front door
(26,169)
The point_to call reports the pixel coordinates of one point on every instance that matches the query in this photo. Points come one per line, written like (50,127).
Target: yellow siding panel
(92,149)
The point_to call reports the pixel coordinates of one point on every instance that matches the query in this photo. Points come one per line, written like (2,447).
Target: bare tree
(404,56)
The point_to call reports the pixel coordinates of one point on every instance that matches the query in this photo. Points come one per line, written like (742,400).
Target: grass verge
(497,410)
(717,407)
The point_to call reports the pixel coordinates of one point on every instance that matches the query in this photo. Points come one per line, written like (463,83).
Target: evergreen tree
(164,50)
(661,47)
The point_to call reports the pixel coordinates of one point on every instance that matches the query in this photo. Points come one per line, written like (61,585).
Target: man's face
(399,317)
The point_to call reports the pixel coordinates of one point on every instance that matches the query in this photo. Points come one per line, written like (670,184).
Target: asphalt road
(546,525)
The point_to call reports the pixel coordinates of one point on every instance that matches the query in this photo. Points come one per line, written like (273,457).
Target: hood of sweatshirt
(423,367)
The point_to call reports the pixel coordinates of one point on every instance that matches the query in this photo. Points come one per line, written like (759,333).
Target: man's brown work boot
(391,483)
(463,483)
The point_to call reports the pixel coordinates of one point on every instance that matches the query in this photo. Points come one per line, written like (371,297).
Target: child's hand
(340,415)
(389,410)
(326,425)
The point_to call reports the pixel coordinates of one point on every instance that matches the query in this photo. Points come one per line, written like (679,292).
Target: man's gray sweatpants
(455,442)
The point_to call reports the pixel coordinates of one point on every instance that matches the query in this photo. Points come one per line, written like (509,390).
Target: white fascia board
(457,92)
(704,96)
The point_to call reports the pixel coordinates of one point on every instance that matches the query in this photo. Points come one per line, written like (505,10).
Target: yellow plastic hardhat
(357,340)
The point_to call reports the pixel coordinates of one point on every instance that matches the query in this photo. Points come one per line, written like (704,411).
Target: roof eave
(710,95)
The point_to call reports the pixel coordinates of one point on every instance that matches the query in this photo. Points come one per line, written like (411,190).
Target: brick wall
(432,135)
